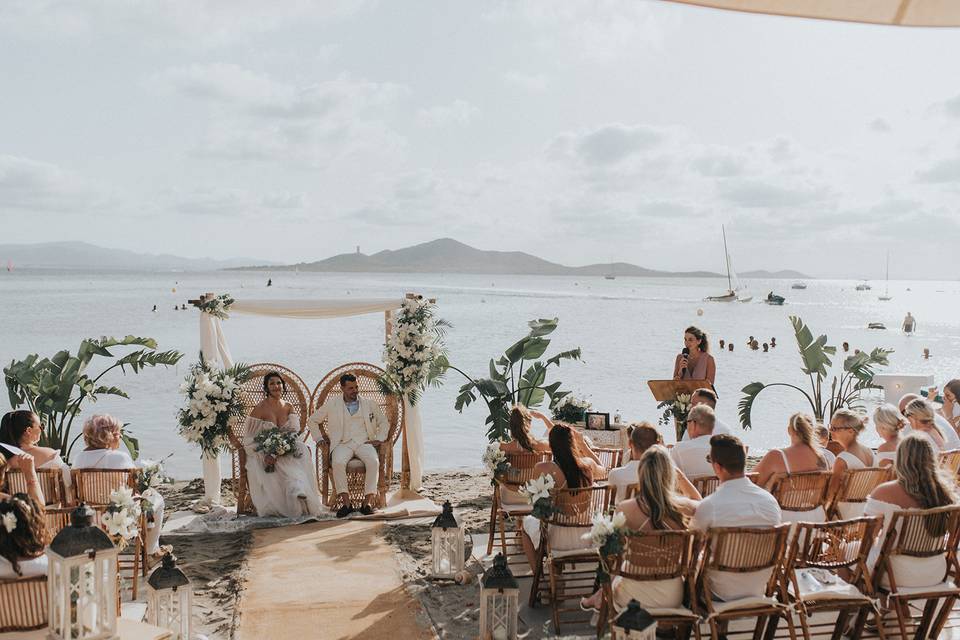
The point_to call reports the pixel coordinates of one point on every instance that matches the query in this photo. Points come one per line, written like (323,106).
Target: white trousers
(343,453)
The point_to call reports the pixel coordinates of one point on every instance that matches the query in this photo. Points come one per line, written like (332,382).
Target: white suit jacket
(334,411)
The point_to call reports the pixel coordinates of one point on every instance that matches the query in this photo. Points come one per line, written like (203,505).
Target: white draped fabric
(316,309)
(414,443)
(908,13)
(213,346)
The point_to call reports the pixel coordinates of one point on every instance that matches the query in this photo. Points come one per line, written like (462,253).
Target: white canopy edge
(316,309)
(906,13)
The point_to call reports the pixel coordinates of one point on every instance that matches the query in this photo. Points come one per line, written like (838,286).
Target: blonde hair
(100,431)
(849,418)
(889,420)
(920,475)
(920,408)
(802,425)
(658,477)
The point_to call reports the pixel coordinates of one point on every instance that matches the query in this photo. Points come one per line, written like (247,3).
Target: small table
(608,438)
(896,384)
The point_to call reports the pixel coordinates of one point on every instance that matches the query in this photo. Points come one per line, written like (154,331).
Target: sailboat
(733,283)
(886,286)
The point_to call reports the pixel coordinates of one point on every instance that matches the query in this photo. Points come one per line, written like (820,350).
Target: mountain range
(81,255)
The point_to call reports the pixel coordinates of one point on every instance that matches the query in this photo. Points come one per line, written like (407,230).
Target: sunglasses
(833,429)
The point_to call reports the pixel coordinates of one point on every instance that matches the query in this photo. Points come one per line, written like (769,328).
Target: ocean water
(630,330)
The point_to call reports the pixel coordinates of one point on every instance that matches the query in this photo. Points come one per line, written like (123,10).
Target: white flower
(619,520)
(538,488)
(122,497)
(10,521)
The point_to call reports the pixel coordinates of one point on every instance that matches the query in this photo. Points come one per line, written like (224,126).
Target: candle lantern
(634,623)
(499,602)
(170,599)
(82,581)
(447,536)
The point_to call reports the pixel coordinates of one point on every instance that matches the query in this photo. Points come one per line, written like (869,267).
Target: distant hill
(785,274)
(81,255)
(446,255)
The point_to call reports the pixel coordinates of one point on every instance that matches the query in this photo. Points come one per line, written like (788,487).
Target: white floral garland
(217,306)
(122,517)
(213,398)
(413,347)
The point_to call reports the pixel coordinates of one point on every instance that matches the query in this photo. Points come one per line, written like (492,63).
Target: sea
(629,330)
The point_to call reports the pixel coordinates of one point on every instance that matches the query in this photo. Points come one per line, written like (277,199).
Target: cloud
(781,150)
(880,125)
(944,171)
(527,81)
(30,185)
(608,144)
(951,107)
(757,193)
(225,202)
(718,165)
(444,115)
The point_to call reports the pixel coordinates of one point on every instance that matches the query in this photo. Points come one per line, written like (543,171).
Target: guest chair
(950,461)
(609,458)
(368,379)
(24,604)
(51,484)
(708,484)
(571,573)
(56,519)
(519,473)
(915,534)
(855,486)
(251,394)
(655,556)
(740,550)
(817,552)
(797,493)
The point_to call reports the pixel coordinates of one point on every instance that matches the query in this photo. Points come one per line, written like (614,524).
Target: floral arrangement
(677,410)
(537,492)
(213,400)
(571,409)
(150,475)
(122,517)
(276,442)
(9,521)
(217,306)
(495,460)
(415,353)
(607,535)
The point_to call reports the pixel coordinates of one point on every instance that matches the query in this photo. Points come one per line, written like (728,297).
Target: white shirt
(103,459)
(691,456)
(28,568)
(623,477)
(719,427)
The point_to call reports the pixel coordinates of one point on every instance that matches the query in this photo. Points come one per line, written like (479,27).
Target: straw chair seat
(753,602)
(23,604)
(937,590)
(516,509)
(812,589)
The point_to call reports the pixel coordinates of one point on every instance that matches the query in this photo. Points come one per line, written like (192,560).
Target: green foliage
(55,388)
(843,391)
(516,377)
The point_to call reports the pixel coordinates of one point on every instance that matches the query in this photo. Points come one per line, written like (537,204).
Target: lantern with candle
(499,602)
(447,537)
(634,623)
(170,599)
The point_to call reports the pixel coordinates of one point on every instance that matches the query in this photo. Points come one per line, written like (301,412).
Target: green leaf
(572,354)
(132,444)
(750,393)
(542,327)
(534,348)
(110,391)
(814,352)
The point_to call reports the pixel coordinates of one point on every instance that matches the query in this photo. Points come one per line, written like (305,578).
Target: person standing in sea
(695,361)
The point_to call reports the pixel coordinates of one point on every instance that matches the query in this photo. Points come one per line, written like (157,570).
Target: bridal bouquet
(122,517)
(415,354)
(607,535)
(495,460)
(217,306)
(537,492)
(213,400)
(676,409)
(276,442)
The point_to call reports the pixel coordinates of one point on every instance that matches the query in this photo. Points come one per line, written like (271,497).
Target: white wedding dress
(278,493)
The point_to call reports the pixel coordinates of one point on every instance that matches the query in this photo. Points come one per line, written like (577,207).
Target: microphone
(685,352)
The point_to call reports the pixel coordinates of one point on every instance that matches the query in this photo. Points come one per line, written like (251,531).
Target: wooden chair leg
(554,591)
(493,526)
(898,607)
(537,577)
(928,610)
(943,617)
(503,532)
(841,625)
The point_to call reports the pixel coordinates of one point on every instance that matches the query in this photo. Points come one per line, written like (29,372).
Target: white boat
(735,291)
(886,285)
(799,285)
(863,286)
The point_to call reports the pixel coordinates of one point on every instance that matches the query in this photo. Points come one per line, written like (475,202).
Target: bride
(291,489)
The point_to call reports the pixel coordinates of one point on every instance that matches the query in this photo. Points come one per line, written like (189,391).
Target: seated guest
(737,502)
(644,435)
(102,435)
(291,488)
(23,429)
(570,470)
(356,427)
(828,447)
(845,427)
(889,423)
(24,463)
(709,398)
(950,438)
(920,484)
(23,538)
(803,454)
(922,419)
(691,456)
(655,507)
(521,440)
(950,410)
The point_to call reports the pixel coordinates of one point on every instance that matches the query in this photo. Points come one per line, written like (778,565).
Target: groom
(356,427)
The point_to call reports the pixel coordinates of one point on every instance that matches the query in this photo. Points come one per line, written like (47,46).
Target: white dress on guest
(852,509)
(277,493)
(28,568)
(908,571)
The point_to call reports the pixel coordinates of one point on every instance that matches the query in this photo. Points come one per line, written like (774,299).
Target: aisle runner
(330,580)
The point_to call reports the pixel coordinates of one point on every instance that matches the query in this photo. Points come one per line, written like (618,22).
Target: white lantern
(170,599)
(499,602)
(634,623)
(82,581)
(447,536)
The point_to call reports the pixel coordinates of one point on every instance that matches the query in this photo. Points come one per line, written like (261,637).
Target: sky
(578,131)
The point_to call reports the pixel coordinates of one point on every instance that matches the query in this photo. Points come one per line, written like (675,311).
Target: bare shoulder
(686,506)
(260,411)
(886,492)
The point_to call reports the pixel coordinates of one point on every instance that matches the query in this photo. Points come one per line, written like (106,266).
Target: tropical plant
(509,382)
(843,391)
(56,388)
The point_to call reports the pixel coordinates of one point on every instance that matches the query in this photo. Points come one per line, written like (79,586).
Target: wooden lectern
(669,389)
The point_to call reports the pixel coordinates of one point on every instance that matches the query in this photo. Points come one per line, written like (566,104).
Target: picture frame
(596,421)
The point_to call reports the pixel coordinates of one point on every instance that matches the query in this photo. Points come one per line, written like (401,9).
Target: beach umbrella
(499,602)
(170,599)
(635,623)
(906,13)
(447,538)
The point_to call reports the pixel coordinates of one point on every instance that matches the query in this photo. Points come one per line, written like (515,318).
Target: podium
(669,389)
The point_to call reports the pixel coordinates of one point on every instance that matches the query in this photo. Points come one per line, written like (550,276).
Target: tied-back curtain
(213,344)
(315,309)
(414,426)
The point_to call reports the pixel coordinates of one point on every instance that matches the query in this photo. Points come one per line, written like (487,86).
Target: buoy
(699,312)
(174,290)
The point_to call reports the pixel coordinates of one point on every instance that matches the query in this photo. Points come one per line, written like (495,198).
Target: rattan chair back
(840,544)
(521,468)
(94,486)
(51,484)
(577,507)
(609,458)
(744,549)
(922,533)
(56,519)
(655,555)
(705,484)
(801,491)
(23,604)
(950,461)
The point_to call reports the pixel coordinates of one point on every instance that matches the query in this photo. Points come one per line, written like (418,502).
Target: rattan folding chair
(571,573)
(56,519)
(745,550)
(609,458)
(519,473)
(23,604)
(817,553)
(51,484)
(950,460)
(368,377)
(855,486)
(921,533)
(251,394)
(799,493)
(708,484)
(649,556)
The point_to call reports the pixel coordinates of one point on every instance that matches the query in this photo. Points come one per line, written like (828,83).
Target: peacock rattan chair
(650,556)
(799,493)
(915,534)
(950,461)
(609,459)
(745,550)
(855,485)
(296,393)
(23,604)
(819,552)
(51,484)
(518,474)
(368,380)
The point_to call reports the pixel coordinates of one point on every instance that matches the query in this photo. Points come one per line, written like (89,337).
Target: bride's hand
(268,459)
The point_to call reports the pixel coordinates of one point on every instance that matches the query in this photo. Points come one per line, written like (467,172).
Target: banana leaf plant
(516,377)
(815,354)
(56,388)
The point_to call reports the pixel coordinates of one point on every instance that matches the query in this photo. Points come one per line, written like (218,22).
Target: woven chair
(798,493)
(649,556)
(57,519)
(251,394)
(708,484)
(51,484)
(855,486)
(950,461)
(368,376)
(609,458)
(23,604)
(921,533)
(745,550)
(571,573)
(519,473)
(817,552)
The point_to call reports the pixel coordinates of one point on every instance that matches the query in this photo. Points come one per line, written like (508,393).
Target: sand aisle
(329,580)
